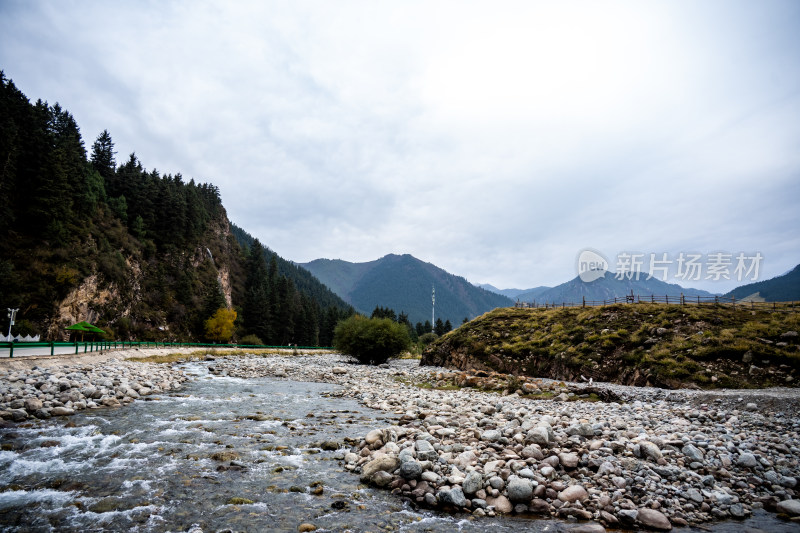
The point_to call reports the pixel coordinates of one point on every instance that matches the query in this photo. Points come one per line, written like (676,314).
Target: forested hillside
(141,254)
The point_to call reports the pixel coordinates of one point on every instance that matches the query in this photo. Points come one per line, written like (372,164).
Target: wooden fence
(669,300)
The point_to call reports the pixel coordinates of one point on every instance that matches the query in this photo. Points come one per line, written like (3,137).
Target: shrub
(251,340)
(370,340)
(428,338)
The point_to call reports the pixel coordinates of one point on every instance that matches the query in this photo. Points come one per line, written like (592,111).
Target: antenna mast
(433,304)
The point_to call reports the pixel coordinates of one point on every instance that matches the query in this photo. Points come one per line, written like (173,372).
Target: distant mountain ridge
(511,293)
(785,288)
(403,283)
(608,287)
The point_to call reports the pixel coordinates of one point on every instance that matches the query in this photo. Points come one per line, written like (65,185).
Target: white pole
(12,314)
(433,304)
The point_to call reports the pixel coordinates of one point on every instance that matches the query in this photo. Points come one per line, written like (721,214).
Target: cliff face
(153,295)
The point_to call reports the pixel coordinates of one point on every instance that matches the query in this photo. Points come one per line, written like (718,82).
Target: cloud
(494,140)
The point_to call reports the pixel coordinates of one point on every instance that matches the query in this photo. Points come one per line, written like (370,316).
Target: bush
(428,338)
(371,340)
(251,340)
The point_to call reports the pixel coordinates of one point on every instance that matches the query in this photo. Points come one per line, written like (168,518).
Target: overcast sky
(493,139)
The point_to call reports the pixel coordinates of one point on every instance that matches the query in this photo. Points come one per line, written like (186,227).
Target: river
(165,465)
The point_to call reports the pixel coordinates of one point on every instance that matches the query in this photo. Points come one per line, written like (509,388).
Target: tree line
(155,240)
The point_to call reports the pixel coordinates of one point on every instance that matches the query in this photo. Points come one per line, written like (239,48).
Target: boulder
(386,463)
(573,493)
(519,490)
(653,519)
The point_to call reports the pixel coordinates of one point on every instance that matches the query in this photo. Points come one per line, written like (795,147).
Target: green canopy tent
(84,327)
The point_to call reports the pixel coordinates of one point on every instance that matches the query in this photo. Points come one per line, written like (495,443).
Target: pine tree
(257,295)
(103,155)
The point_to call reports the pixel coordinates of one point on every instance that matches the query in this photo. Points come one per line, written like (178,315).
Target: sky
(496,140)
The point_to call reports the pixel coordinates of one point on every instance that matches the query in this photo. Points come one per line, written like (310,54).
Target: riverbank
(656,459)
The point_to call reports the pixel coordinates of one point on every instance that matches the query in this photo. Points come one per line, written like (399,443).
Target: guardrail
(96,346)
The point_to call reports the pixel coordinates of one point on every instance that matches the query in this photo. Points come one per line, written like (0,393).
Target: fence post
(716,300)
(733,300)
(652,298)
(52,347)
(584,301)
(667,297)
(698,299)
(11,350)
(76,347)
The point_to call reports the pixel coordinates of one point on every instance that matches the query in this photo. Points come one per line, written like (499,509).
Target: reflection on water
(223,453)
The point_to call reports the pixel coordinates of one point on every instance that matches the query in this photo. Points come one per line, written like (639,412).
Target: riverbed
(222,454)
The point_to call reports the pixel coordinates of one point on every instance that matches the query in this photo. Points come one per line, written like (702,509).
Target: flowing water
(165,465)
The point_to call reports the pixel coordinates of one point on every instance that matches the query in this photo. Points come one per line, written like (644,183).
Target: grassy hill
(640,344)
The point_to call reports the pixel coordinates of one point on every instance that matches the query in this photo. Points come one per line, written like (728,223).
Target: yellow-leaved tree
(220,326)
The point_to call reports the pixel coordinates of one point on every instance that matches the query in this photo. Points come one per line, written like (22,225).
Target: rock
(653,519)
(789,507)
(694,495)
(386,463)
(573,493)
(584,430)
(306,527)
(693,453)
(747,460)
(587,528)
(747,357)
(61,411)
(491,435)
(650,450)
(538,435)
(568,460)
(454,496)
(519,490)
(425,451)
(33,404)
(501,504)
(18,415)
(539,506)
(374,437)
(410,469)
(473,482)
(381,478)
(606,468)
(339,370)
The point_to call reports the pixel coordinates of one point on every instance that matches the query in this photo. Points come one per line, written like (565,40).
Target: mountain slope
(513,293)
(403,283)
(608,287)
(785,288)
(142,255)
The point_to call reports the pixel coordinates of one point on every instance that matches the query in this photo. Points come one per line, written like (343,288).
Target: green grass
(624,343)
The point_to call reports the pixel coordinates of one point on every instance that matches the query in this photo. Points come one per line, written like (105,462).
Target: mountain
(403,283)
(608,287)
(532,294)
(513,293)
(142,255)
(785,288)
